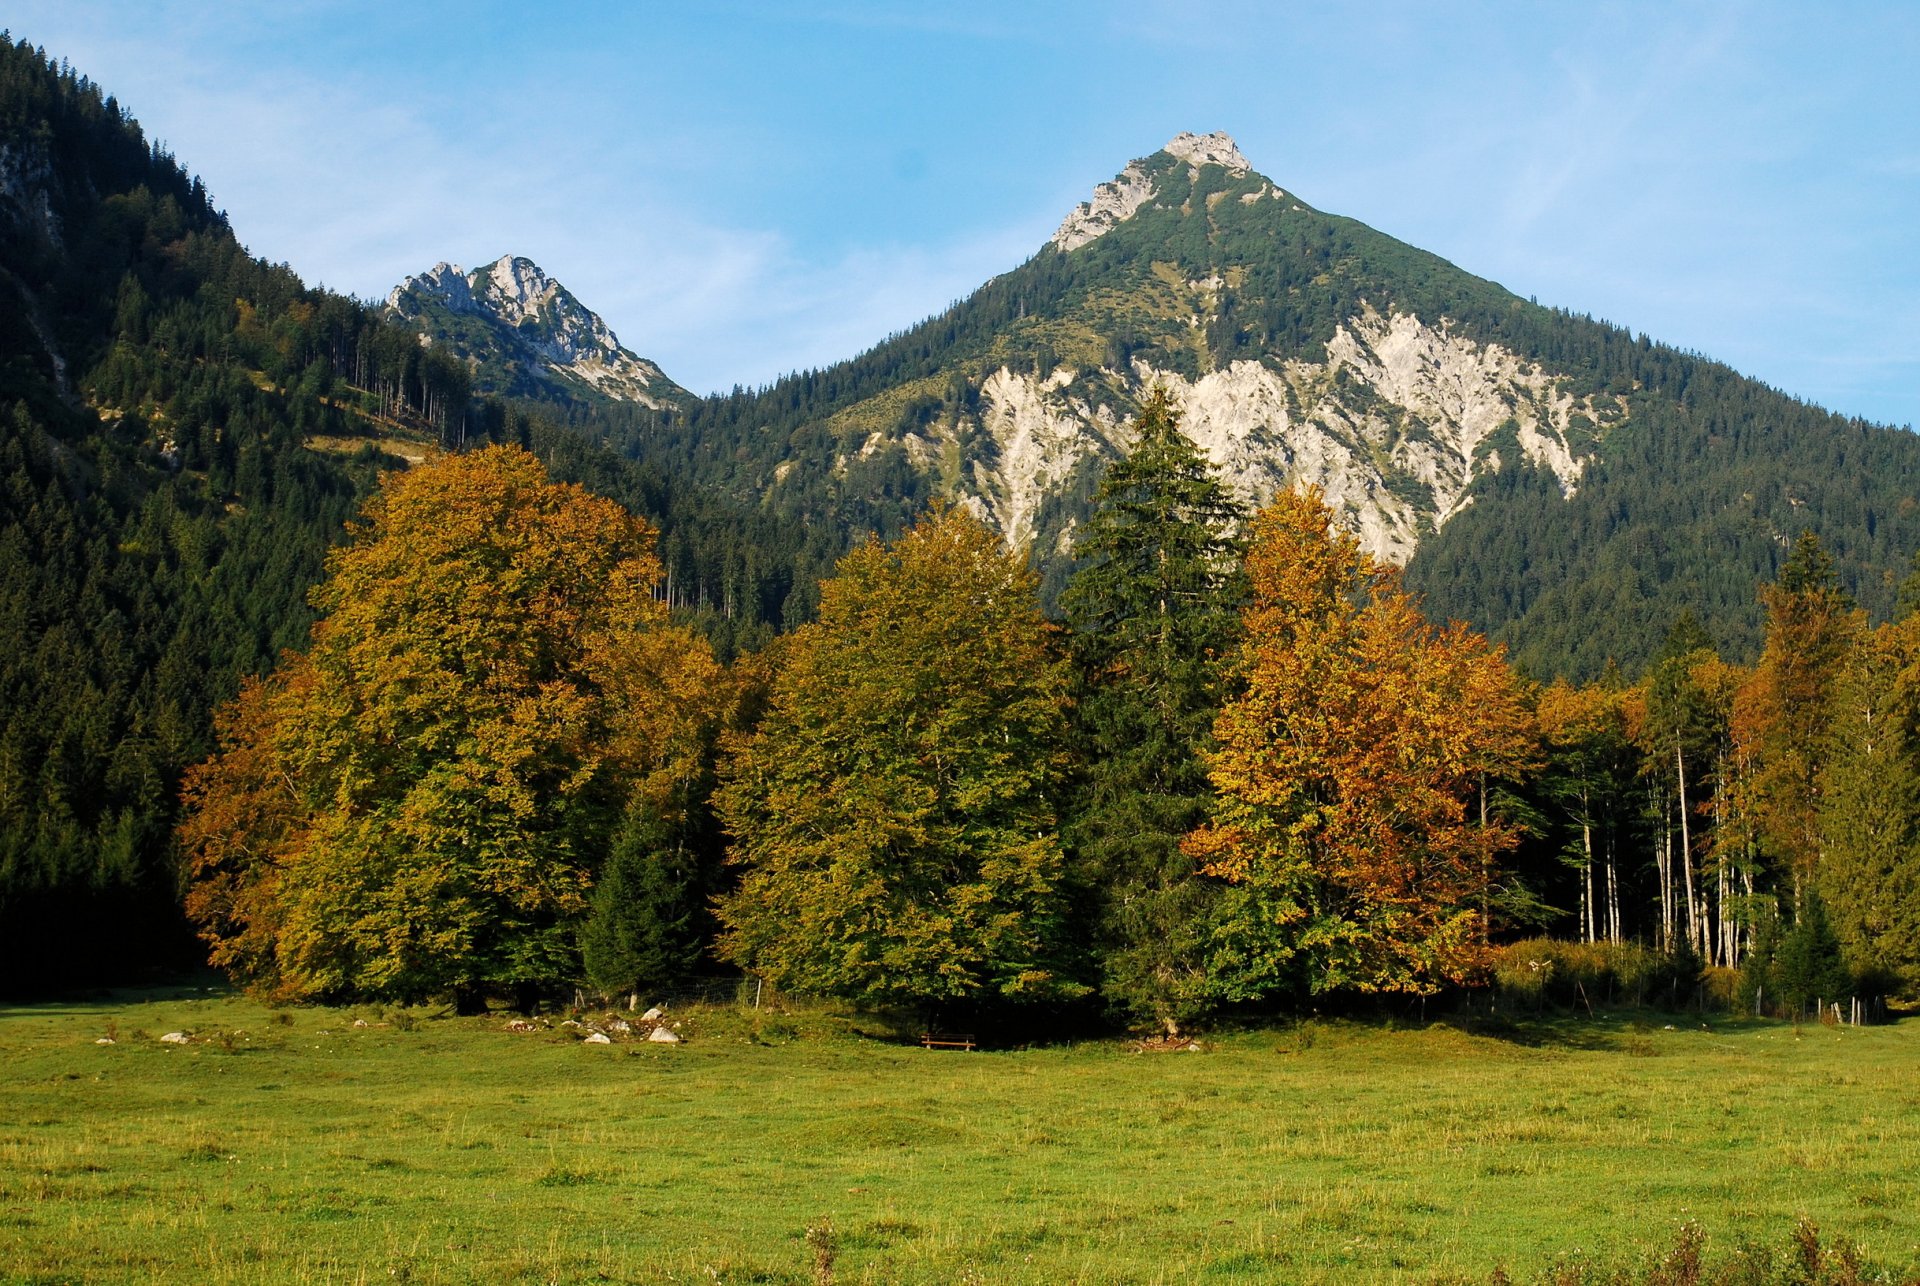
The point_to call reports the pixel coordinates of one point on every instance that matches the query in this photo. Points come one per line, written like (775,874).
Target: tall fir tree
(1869,872)
(1154,610)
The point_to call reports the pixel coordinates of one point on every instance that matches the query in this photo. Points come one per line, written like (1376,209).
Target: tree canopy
(417,803)
(895,816)
(1348,773)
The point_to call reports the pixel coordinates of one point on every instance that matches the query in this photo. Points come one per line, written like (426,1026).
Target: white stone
(175,1038)
(1217,148)
(653,1015)
(662,1036)
(104,1040)
(598,1038)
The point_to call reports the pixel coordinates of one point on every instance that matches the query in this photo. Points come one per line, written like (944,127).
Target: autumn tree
(894,816)
(1350,772)
(1154,612)
(417,804)
(1786,711)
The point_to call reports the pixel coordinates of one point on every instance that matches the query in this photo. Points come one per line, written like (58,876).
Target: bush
(1546,971)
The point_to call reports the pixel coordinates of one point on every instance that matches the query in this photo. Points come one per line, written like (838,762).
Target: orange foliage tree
(1784,713)
(417,803)
(1350,773)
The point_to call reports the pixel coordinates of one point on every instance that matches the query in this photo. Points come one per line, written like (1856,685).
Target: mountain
(523,334)
(1563,484)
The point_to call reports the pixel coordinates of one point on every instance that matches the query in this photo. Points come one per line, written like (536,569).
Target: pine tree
(1787,707)
(1809,966)
(1153,608)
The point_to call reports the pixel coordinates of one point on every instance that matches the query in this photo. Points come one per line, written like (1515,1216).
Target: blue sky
(743,189)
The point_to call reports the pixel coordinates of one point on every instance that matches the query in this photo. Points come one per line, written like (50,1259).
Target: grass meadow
(806,1146)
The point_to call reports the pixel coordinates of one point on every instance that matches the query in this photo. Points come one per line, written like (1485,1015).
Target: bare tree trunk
(1663,865)
(1613,892)
(1694,938)
(1586,871)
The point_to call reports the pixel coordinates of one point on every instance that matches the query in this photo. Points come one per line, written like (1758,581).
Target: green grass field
(296,1146)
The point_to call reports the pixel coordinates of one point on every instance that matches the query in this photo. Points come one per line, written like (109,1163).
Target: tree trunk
(1694,938)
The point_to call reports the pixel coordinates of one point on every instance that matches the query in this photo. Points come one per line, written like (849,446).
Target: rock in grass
(599,1038)
(104,1040)
(653,1015)
(175,1038)
(662,1036)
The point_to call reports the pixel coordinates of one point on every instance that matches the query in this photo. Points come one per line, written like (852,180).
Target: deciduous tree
(418,803)
(1349,773)
(894,816)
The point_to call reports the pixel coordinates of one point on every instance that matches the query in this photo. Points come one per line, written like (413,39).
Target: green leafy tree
(894,814)
(1154,612)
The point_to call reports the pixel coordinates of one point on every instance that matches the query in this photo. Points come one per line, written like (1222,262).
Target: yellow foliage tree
(416,804)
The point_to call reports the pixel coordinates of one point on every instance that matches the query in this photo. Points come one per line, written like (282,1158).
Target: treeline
(1247,772)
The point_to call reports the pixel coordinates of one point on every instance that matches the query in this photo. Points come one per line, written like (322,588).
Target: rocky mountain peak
(520,328)
(1217,148)
(1116,201)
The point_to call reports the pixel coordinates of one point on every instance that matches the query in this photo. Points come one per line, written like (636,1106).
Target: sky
(742,190)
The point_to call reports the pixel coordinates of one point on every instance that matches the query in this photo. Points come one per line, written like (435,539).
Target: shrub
(1546,971)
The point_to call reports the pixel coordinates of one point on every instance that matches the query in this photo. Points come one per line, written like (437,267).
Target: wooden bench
(947,1040)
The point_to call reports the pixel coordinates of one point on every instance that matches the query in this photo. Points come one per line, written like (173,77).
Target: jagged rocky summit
(524,334)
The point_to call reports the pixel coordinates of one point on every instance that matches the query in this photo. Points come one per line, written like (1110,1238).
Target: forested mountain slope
(183,431)
(1561,483)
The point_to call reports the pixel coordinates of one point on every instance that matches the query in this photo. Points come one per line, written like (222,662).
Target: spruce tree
(1153,608)
(1869,871)
(1809,965)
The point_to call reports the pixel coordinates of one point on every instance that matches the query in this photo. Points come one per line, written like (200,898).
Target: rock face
(524,334)
(1280,335)
(1393,426)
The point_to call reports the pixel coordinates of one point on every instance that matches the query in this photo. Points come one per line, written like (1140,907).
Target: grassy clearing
(296,1146)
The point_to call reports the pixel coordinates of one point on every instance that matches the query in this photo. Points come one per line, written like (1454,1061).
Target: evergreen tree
(643,927)
(1787,708)
(1153,608)
(1869,873)
(1809,966)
